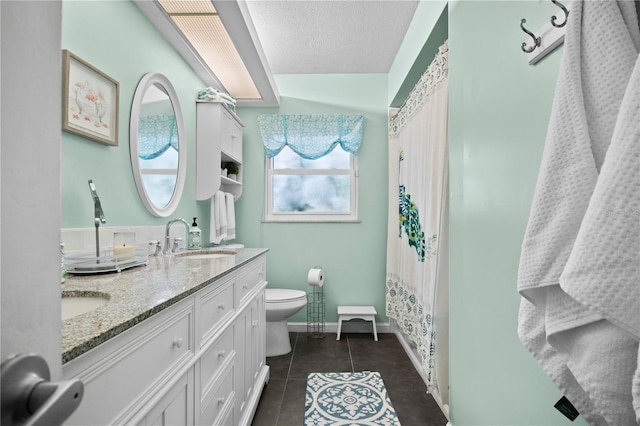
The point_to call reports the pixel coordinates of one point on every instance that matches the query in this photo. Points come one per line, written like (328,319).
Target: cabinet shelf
(228,181)
(225,157)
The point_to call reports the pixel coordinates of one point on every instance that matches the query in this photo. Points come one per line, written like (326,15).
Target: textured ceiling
(331,36)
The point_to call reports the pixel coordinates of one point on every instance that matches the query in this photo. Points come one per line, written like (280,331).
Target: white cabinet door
(252,323)
(175,408)
(258,334)
(218,140)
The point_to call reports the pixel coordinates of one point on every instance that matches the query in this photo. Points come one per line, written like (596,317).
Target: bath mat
(348,399)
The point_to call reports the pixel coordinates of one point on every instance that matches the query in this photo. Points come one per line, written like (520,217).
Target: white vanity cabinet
(133,369)
(200,361)
(218,141)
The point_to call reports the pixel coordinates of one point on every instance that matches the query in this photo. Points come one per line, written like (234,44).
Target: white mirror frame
(147,81)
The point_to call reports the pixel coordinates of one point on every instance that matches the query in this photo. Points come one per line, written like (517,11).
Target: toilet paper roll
(315,277)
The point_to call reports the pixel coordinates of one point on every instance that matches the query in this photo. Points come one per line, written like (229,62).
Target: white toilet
(280,304)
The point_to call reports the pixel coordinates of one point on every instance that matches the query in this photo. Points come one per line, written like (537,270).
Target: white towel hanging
(218,220)
(231,216)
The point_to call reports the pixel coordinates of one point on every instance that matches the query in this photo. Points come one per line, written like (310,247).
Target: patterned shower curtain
(418,171)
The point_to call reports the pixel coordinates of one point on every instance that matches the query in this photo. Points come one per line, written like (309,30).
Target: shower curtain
(417,262)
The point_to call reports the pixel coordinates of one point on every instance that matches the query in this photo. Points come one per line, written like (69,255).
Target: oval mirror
(158,146)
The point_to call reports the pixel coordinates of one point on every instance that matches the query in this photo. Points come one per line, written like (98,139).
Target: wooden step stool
(367,313)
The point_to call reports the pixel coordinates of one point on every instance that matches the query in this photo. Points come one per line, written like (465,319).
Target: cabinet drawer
(220,400)
(146,352)
(249,278)
(217,305)
(214,358)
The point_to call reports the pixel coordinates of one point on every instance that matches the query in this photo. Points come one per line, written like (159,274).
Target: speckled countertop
(138,293)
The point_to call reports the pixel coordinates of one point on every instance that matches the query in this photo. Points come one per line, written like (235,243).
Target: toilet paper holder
(315,303)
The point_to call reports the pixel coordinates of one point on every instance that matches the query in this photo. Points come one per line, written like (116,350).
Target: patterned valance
(311,136)
(436,73)
(156,134)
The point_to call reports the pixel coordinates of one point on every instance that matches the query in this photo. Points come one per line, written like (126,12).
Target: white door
(30,201)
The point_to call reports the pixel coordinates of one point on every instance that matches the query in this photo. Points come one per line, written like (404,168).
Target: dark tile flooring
(283,398)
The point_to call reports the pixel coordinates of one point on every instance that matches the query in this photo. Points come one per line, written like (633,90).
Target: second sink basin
(206,254)
(74,304)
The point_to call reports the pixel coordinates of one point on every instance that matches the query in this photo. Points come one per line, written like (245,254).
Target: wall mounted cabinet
(219,141)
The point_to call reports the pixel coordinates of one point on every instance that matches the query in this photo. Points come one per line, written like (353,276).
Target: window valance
(156,134)
(311,136)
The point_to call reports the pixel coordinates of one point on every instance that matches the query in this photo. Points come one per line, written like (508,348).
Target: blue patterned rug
(348,399)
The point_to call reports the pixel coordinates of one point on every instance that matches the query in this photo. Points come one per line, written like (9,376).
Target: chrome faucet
(98,216)
(167,238)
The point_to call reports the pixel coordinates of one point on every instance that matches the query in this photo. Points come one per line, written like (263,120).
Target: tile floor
(283,398)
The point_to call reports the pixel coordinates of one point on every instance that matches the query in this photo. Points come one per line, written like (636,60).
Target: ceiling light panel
(203,28)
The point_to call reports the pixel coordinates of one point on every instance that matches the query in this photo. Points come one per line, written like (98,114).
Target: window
(158,149)
(159,175)
(312,170)
(320,190)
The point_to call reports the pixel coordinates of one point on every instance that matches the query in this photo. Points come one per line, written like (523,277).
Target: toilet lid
(275,295)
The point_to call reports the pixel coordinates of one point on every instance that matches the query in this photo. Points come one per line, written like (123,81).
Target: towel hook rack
(536,40)
(566,14)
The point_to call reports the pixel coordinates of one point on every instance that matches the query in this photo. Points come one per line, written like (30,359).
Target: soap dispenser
(194,239)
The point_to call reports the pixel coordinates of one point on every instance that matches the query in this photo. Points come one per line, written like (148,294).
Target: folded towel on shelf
(211,94)
(579,341)
(231,216)
(218,221)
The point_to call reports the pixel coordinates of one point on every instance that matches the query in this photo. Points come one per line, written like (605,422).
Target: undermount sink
(206,254)
(78,303)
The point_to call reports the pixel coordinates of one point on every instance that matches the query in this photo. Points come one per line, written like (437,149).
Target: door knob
(30,399)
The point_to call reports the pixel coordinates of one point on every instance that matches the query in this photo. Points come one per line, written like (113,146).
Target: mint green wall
(116,38)
(499,110)
(352,255)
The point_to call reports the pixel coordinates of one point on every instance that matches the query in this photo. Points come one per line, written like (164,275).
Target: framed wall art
(89,101)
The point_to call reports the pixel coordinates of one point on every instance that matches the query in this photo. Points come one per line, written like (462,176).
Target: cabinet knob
(244,287)
(221,400)
(177,342)
(222,354)
(221,306)
(254,323)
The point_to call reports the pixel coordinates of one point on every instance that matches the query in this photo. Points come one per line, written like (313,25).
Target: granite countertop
(137,293)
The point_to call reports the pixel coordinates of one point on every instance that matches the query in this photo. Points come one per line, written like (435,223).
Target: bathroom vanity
(180,341)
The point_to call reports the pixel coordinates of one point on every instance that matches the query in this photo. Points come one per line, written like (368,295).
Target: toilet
(280,304)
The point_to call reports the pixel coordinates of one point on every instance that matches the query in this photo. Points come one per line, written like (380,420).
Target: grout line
(286,380)
(350,356)
(293,354)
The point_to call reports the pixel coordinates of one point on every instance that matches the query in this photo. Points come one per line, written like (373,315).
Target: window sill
(291,220)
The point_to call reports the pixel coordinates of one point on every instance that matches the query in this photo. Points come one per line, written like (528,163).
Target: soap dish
(89,263)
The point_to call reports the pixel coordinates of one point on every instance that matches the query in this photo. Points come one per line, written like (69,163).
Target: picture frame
(90,100)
